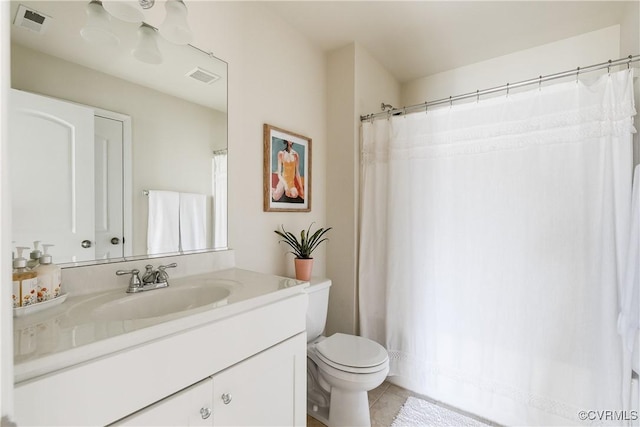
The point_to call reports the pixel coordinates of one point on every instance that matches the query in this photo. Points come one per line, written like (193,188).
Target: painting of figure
(287,168)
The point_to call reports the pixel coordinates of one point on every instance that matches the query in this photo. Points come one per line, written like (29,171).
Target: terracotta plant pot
(303,268)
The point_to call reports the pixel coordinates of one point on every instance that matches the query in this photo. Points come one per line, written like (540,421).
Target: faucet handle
(135,279)
(134,272)
(172,265)
(162,274)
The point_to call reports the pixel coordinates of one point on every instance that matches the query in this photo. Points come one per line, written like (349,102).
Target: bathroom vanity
(238,360)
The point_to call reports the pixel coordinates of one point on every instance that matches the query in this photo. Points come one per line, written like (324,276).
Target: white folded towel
(193,221)
(163,224)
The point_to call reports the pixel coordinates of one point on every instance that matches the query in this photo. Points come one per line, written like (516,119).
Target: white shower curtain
(493,238)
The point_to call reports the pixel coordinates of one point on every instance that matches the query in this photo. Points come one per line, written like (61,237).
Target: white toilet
(341,369)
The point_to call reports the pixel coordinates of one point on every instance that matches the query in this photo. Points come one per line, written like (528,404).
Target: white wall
(275,77)
(168,153)
(341,198)
(6,320)
(630,45)
(356,85)
(630,30)
(586,49)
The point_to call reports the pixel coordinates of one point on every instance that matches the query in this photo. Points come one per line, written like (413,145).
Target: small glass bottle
(25,282)
(49,277)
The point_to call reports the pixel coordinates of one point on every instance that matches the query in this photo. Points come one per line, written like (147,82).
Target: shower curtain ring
(577,73)
(450,102)
(477,95)
(540,83)
(507,90)
(609,67)
(629,62)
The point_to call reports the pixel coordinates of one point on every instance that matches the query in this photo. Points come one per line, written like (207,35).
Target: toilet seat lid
(352,351)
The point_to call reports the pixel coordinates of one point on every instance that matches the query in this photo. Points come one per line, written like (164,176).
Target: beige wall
(630,45)
(630,30)
(341,199)
(356,85)
(173,139)
(567,54)
(275,77)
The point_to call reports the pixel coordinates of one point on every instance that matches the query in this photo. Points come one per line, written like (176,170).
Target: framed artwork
(287,171)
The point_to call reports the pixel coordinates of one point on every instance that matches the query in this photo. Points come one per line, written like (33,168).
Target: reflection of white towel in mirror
(193,221)
(163,225)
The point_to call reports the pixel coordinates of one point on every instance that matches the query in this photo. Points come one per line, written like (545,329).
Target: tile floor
(385,403)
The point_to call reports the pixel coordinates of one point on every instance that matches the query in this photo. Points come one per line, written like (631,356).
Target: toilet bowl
(341,369)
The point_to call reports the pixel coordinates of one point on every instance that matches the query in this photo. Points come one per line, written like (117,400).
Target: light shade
(175,27)
(125,10)
(147,48)
(98,28)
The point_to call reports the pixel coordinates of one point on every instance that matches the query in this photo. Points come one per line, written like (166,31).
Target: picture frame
(287,171)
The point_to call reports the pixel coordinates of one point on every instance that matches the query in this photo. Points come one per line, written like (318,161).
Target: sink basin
(161,302)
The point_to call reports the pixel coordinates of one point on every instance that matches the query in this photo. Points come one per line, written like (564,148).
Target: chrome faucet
(151,279)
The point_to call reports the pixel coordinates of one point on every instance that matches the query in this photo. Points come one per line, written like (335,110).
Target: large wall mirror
(155,138)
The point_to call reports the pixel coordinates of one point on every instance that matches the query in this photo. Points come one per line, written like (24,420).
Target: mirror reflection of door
(108,188)
(53,197)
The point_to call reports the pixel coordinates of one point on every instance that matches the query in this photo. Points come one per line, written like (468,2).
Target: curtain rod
(425,105)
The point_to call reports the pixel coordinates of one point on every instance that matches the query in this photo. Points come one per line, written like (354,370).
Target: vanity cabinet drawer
(262,390)
(189,407)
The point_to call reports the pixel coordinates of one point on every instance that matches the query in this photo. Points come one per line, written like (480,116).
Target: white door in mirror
(52,198)
(108,182)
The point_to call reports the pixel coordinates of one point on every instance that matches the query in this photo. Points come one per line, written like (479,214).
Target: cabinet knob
(115,241)
(205,412)
(86,244)
(226,398)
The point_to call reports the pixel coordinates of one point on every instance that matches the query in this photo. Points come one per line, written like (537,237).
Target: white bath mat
(417,412)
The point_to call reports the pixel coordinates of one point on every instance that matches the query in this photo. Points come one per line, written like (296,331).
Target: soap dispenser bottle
(34,256)
(49,276)
(25,282)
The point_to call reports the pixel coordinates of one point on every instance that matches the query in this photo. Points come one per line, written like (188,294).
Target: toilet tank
(318,292)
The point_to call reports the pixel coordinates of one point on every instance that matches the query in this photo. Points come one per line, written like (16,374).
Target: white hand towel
(193,224)
(163,225)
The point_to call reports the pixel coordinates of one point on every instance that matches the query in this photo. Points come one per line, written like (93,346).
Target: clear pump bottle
(34,256)
(49,277)
(25,282)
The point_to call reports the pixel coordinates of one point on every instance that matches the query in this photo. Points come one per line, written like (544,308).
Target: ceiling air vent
(31,20)
(202,75)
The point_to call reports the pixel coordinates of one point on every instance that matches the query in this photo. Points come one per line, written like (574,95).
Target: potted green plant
(303,248)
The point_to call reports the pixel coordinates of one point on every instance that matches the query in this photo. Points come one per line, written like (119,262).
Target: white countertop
(69,334)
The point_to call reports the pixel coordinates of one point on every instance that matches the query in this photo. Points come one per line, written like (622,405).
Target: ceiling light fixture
(174,29)
(98,27)
(147,48)
(125,10)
